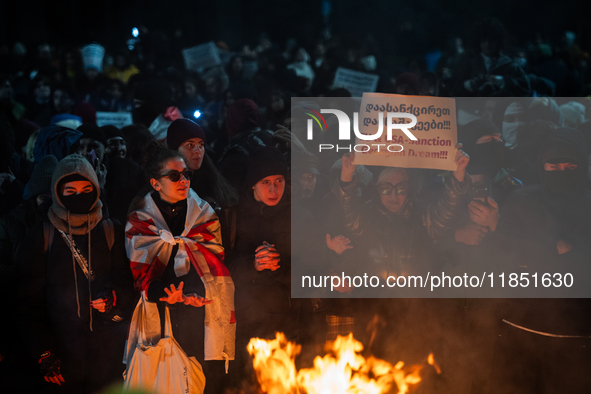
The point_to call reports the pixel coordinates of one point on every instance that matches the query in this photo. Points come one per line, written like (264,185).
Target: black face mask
(486,159)
(565,183)
(79,203)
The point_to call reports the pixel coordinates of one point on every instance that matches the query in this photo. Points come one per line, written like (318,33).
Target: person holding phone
(92,145)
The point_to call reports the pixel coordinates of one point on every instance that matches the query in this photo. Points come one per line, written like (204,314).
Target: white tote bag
(162,367)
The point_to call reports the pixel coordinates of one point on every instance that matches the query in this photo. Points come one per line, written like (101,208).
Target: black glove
(49,364)
(110,298)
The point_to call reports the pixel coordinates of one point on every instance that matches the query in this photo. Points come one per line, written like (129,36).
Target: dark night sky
(240,21)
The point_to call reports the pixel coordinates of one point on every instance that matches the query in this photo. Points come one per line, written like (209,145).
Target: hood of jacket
(59,215)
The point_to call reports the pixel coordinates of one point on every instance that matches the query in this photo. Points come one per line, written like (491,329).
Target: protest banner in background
(435,132)
(356,82)
(117,119)
(201,57)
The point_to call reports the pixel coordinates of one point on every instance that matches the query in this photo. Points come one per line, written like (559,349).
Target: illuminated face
(394,201)
(269,190)
(77,187)
(172,192)
(560,166)
(192,151)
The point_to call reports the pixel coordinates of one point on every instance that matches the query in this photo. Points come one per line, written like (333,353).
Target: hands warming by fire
(175,295)
(266,257)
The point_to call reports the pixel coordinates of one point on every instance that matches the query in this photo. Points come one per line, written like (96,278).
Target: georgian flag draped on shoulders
(149,244)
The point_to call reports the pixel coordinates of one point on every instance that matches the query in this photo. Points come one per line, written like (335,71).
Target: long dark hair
(154,157)
(208,182)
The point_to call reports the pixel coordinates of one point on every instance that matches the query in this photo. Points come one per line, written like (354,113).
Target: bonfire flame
(274,363)
(343,370)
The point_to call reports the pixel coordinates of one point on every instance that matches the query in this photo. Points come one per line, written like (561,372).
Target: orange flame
(431,361)
(274,363)
(343,370)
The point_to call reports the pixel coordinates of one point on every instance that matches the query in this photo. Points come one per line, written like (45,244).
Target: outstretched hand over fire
(175,295)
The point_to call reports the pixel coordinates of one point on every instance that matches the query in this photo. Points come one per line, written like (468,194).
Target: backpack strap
(48,231)
(109,232)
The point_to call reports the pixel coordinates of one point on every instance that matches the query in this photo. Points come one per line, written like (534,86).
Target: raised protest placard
(428,140)
(117,119)
(356,82)
(201,57)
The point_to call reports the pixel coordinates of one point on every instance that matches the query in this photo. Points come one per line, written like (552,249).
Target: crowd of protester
(219,142)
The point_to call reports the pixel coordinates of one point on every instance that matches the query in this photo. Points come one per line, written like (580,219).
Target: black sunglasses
(175,175)
(386,188)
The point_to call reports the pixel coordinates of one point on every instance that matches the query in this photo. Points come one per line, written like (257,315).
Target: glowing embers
(342,370)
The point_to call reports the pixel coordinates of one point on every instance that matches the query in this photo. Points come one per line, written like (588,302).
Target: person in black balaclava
(466,246)
(74,286)
(491,184)
(543,344)
(484,143)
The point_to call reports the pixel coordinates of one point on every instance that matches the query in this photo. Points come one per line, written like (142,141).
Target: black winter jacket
(47,308)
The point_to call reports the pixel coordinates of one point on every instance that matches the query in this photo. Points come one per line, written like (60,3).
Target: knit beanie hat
(86,112)
(265,162)
(40,182)
(111,131)
(181,130)
(90,130)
